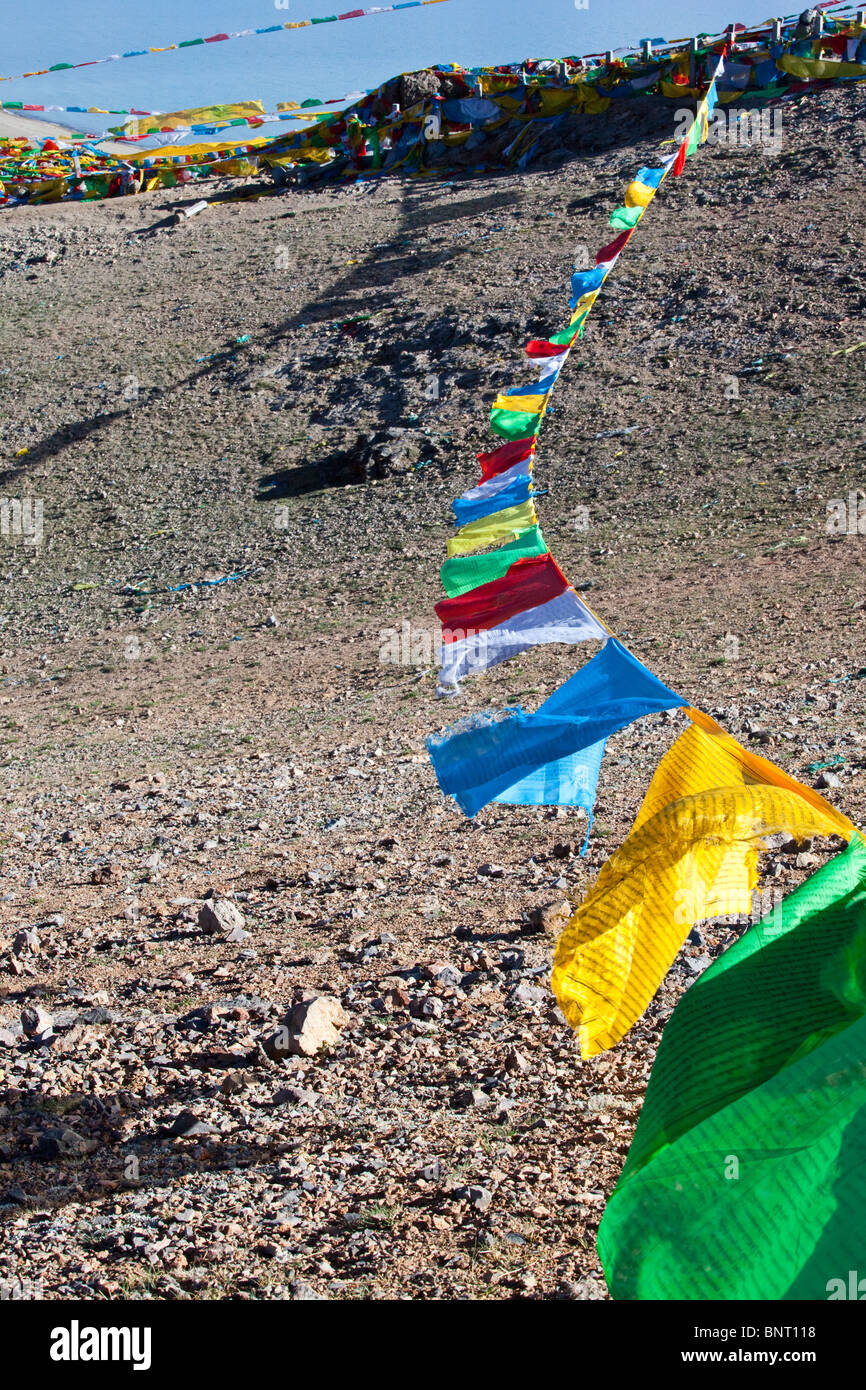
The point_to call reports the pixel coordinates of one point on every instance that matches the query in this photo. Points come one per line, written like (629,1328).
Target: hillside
(285,394)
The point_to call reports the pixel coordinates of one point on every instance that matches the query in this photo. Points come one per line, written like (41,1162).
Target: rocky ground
(217,800)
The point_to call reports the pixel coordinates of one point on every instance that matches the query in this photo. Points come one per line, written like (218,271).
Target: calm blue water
(325,61)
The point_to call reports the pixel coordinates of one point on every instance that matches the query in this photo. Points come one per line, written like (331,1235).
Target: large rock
(417,86)
(219,917)
(310,1026)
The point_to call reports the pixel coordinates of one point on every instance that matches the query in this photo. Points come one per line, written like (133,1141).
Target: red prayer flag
(498,460)
(528,583)
(614,247)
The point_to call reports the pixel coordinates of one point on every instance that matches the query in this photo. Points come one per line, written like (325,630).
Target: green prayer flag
(624,218)
(746,1178)
(694,136)
(462,573)
(515,424)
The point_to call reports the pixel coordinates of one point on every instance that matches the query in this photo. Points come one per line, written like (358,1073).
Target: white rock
(219,917)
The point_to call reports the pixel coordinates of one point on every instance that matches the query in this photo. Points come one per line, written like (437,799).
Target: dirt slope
(190,400)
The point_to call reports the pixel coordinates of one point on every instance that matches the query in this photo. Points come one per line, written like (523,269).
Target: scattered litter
(134,591)
(836,761)
(186,213)
(844,351)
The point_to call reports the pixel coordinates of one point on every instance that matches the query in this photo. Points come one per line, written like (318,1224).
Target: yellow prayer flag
(691,855)
(639,195)
(583,306)
(493,529)
(530,404)
(819,69)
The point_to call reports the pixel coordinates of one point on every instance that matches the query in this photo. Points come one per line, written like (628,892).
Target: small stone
(697,964)
(471,1098)
(397,998)
(233,1083)
(24,941)
(100,1015)
(549,918)
(513,959)
(304,1293)
(296,1095)
(515,1062)
(479,1198)
(428,1006)
(219,917)
(62,1142)
(807,860)
(189,1126)
(523,995)
(36,1022)
(829,779)
(443,973)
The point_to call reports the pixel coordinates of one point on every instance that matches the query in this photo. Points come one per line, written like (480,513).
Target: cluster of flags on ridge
(765,1057)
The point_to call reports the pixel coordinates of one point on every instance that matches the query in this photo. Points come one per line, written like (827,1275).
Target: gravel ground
(209,402)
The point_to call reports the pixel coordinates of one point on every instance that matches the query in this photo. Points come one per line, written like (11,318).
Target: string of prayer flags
(745,1179)
(172,120)
(509,612)
(221,37)
(691,854)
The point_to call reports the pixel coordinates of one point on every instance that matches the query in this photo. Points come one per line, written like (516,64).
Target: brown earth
(246,740)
